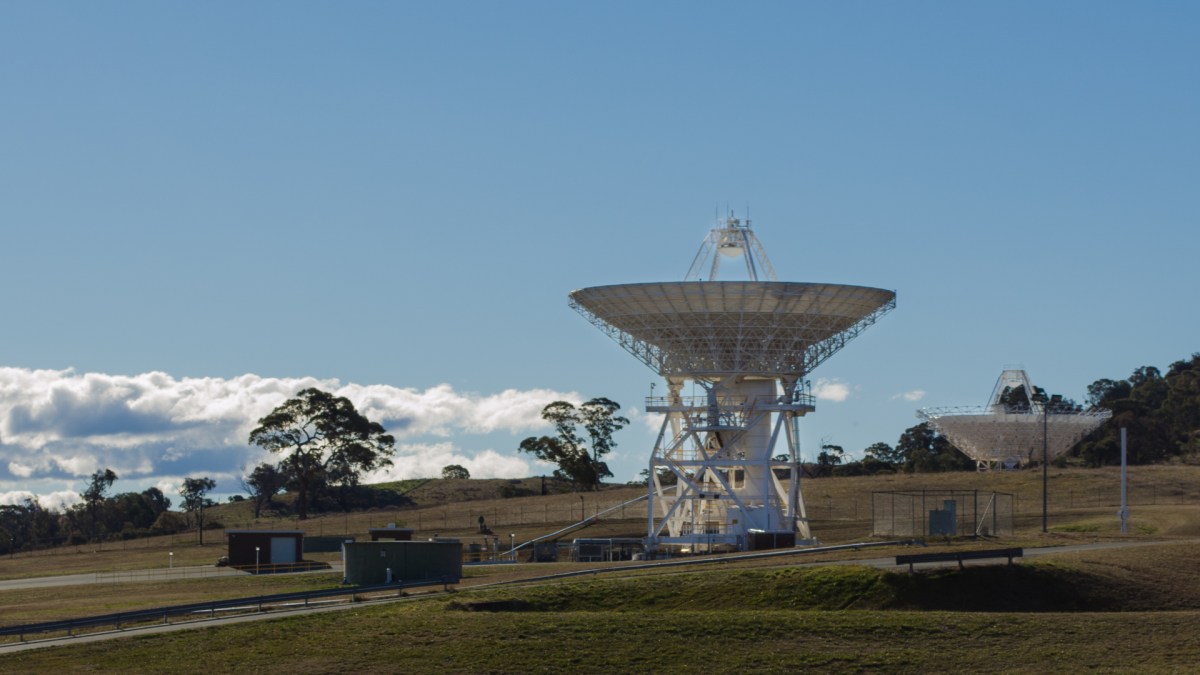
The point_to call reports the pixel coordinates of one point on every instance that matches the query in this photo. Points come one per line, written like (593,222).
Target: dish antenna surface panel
(714,483)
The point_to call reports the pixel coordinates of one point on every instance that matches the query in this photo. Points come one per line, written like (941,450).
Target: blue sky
(401,195)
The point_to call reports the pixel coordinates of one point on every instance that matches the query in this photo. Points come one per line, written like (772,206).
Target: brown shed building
(248,548)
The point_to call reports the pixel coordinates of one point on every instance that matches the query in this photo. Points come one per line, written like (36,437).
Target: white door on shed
(283,550)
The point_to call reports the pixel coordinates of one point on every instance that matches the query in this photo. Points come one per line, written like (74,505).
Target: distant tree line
(100,516)
(920,449)
(1160,412)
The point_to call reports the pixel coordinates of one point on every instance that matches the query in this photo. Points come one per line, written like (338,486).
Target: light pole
(1045,464)
(1047,403)
(256,549)
(1124,512)
(512,540)
(171,559)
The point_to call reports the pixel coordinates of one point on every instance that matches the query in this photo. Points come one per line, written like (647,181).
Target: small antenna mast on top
(731,238)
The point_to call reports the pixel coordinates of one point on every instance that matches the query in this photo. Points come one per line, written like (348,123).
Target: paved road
(119,577)
(137,576)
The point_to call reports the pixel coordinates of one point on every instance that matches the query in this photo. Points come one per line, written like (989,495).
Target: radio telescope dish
(720,328)
(1007,435)
(714,483)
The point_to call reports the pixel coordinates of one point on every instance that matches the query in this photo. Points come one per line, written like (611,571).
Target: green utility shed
(368,562)
(325,544)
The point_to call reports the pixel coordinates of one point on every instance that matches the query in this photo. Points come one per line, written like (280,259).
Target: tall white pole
(1045,458)
(1124,513)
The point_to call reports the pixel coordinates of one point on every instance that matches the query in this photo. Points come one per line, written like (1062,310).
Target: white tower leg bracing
(714,481)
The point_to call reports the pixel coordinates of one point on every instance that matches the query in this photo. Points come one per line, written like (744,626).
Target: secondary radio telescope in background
(715,482)
(1010,430)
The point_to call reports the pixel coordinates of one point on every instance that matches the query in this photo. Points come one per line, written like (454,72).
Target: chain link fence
(924,513)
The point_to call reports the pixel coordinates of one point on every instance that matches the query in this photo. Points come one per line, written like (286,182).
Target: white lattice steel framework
(748,345)
(1001,436)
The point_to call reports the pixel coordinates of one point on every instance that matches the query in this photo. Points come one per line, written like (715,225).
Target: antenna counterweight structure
(725,470)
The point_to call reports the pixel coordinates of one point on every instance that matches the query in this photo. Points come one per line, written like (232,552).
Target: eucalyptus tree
(324,439)
(195,498)
(264,482)
(567,449)
(455,471)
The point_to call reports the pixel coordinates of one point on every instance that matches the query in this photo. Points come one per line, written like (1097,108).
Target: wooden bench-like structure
(960,556)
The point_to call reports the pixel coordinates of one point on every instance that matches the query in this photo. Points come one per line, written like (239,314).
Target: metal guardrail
(251,604)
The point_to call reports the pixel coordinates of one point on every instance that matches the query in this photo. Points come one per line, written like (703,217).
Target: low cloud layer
(59,426)
(914,395)
(831,390)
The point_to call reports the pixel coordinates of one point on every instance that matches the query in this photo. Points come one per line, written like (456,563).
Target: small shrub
(510,491)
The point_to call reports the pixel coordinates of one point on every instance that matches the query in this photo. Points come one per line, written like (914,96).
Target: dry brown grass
(142,554)
(837,506)
(1083,503)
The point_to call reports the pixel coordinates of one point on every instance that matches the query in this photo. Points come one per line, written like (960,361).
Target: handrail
(586,521)
(118,618)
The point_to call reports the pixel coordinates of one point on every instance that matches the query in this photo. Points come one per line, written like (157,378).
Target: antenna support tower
(1001,435)
(717,481)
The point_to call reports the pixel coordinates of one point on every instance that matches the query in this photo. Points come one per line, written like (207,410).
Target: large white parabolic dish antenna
(1004,436)
(715,479)
(715,328)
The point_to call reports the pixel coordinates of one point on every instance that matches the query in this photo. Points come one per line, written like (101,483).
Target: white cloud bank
(914,395)
(831,390)
(59,426)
